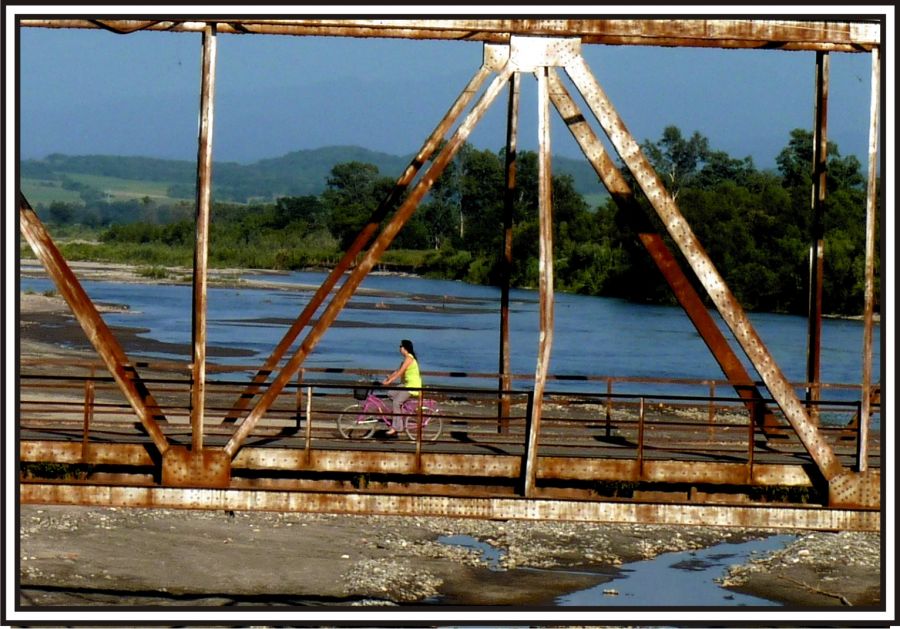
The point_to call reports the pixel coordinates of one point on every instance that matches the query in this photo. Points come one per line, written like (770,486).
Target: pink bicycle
(359,420)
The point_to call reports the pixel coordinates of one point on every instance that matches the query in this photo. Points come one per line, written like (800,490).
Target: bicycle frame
(360,420)
(374,405)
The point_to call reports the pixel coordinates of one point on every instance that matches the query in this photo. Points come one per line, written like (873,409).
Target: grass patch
(153,272)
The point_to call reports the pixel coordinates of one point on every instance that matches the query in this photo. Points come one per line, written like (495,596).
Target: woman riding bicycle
(412,380)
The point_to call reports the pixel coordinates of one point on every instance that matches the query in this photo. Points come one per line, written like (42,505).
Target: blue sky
(94,92)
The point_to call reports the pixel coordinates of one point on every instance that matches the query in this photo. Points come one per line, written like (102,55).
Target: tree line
(754,224)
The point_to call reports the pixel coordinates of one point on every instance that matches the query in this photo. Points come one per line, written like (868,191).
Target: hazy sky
(95,92)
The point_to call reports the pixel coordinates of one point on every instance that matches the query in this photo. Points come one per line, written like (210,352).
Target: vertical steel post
(308,440)
(640,451)
(869,304)
(817,247)
(300,398)
(201,245)
(512,123)
(88,415)
(609,387)
(545,278)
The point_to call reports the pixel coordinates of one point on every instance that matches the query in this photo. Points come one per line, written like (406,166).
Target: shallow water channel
(681,579)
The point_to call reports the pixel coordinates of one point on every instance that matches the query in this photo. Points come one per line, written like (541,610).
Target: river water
(455,328)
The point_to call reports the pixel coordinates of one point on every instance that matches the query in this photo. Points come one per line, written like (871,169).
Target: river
(455,327)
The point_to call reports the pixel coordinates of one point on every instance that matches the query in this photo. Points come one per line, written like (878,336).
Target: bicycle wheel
(432,425)
(352,424)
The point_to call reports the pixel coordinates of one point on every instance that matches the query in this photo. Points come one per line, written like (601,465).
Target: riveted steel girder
(856,34)
(497,508)
(484,466)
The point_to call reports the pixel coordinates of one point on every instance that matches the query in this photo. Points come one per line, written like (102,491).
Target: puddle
(489,553)
(679,579)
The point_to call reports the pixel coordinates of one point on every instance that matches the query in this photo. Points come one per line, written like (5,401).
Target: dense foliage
(755,225)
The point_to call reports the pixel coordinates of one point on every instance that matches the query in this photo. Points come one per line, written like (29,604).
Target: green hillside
(69,178)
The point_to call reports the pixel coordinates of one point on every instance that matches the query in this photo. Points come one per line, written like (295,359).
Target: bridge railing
(657,423)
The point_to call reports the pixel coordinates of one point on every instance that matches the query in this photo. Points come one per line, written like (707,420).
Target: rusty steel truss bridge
(172,435)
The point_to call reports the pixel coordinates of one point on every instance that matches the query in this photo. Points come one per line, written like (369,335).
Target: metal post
(201,245)
(817,248)
(869,305)
(609,387)
(308,444)
(751,437)
(545,278)
(88,415)
(419,419)
(640,452)
(300,399)
(512,122)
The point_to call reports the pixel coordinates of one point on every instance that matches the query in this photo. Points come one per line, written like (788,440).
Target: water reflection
(684,579)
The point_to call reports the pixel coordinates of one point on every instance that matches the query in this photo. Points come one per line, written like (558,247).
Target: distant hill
(297,173)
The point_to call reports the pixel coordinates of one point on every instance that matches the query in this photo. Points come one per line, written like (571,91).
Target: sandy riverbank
(89,556)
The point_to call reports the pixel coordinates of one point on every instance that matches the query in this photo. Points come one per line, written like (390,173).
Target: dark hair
(408,346)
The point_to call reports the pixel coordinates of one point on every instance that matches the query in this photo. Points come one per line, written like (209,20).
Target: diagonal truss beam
(98,333)
(623,196)
(682,234)
(381,243)
(362,239)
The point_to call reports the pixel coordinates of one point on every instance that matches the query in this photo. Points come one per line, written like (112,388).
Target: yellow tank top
(412,379)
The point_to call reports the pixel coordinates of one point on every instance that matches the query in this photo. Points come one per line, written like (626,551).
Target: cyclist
(409,371)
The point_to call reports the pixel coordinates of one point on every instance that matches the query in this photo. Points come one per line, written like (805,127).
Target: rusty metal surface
(817,247)
(869,291)
(183,467)
(98,333)
(504,382)
(851,34)
(453,506)
(201,240)
(545,274)
(856,490)
(729,308)
(443,464)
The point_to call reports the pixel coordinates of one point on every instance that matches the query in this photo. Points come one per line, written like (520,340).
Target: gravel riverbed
(130,556)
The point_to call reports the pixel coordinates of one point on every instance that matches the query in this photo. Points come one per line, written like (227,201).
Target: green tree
(349,199)
(61,213)
(675,158)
